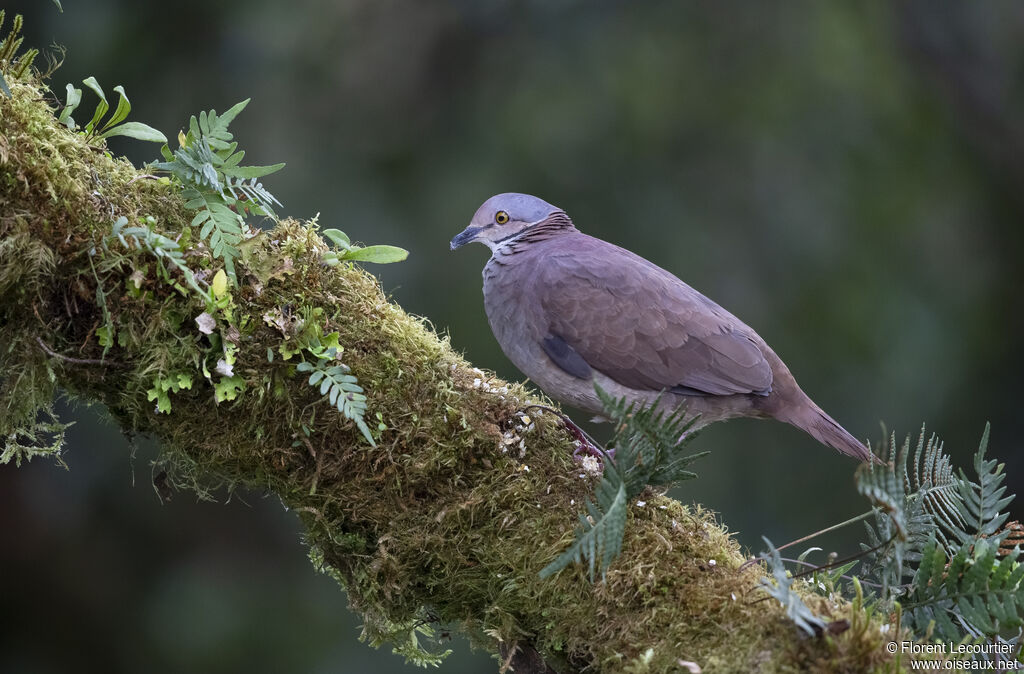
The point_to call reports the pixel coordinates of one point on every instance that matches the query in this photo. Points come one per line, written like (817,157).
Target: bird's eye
(501,217)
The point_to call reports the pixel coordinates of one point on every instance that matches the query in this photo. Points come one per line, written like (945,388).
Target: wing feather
(642,326)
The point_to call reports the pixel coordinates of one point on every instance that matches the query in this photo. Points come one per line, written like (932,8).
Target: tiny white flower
(206,323)
(591,465)
(712,562)
(641,504)
(733,595)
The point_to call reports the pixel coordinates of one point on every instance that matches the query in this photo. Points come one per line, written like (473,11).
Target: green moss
(444,518)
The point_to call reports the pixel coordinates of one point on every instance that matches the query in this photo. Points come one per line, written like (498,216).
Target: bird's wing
(642,326)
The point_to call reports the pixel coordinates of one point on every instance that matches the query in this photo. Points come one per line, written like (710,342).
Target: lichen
(439,522)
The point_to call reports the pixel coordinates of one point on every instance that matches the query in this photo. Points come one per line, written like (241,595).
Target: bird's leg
(585,445)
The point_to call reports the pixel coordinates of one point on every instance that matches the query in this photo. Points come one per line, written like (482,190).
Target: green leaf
(228,388)
(101,107)
(337,237)
(136,130)
(377,254)
(247,172)
(74,97)
(163,386)
(232,112)
(105,335)
(122,110)
(57,2)
(220,284)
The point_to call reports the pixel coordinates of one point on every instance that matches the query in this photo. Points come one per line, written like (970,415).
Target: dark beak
(465,237)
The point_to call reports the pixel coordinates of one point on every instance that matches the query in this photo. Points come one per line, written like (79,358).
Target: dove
(571,311)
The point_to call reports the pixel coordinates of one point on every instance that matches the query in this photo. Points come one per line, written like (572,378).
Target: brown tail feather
(811,419)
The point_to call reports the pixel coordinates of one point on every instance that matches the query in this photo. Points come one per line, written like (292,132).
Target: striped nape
(555,224)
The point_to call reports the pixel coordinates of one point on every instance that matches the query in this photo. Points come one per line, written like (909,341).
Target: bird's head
(504,216)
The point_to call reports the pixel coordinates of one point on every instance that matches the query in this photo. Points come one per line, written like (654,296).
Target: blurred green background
(846,177)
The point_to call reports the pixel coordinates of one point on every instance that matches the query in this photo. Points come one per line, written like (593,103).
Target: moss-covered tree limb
(448,519)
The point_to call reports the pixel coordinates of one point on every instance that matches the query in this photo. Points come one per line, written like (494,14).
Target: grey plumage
(571,310)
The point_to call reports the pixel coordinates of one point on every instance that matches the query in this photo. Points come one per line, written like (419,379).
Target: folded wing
(638,324)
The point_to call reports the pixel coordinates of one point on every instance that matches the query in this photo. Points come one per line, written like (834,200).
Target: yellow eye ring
(501,217)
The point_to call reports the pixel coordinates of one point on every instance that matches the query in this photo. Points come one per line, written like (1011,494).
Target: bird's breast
(514,312)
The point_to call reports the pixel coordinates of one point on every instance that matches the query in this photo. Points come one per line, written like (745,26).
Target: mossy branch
(448,519)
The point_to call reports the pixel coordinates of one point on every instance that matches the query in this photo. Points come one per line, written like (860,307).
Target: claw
(585,445)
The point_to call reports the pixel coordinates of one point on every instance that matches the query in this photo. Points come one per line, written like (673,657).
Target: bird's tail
(811,419)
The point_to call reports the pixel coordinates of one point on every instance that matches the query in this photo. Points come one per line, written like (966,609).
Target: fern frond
(648,451)
(342,391)
(218,224)
(973,591)
(215,185)
(983,500)
(648,442)
(193,165)
(902,524)
(937,485)
(945,532)
(599,538)
(252,195)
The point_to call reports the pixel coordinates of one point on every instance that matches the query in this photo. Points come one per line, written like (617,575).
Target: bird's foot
(586,446)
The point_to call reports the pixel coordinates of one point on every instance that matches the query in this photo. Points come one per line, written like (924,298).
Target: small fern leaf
(983,501)
(342,391)
(934,481)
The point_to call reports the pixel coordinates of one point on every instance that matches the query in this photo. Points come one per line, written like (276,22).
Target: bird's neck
(556,224)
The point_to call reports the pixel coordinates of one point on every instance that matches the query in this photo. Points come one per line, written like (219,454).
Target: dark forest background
(846,177)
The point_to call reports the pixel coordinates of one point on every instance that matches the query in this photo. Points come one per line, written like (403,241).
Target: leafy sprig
(115,124)
(207,166)
(938,550)
(346,250)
